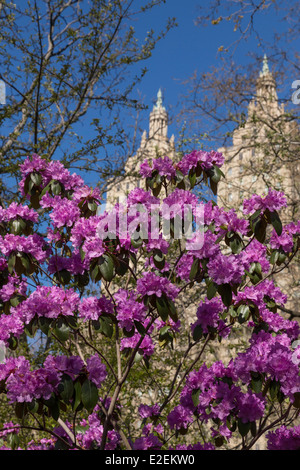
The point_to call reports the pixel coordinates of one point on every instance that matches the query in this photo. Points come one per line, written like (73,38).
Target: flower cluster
(18,210)
(84,291)
(205,160)
(284,438)
(151,284)
(273,201)
(163,165)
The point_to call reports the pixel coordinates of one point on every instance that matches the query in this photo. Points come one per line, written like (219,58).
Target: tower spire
(265,69)
(159,101)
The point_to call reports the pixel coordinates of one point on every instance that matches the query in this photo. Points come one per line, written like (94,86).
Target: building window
(241,156)
(254,178)
(241,169)
(230,197)
(127,186)
(229,171)
(138,183)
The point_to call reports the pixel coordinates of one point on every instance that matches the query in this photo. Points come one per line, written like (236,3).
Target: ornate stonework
(259,158)
(155,143)
(259,155)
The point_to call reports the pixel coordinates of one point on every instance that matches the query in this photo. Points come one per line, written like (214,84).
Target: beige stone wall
(257,160)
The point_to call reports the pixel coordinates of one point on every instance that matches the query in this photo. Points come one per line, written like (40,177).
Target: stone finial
(159,101)
(265,69)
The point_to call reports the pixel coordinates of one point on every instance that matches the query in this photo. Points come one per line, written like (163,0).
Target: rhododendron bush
(106,294)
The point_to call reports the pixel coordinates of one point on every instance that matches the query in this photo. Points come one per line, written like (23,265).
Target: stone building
(263,155)
(154,143)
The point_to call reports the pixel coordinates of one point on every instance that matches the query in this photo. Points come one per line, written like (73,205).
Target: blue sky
(189,48)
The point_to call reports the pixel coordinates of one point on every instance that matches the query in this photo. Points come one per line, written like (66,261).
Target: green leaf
(62,331)
(18,225)
(66,388)
(53,406)
(234,241)
(13,343)
(194,269)
(256,383)
(211,290)
(36,178)
(172,310)
(92,206)
(11,263)
(56,187)
(243,428)
(159,259)
(274,389)
(89,395)
(276,222)
(44,324)
(296,402)
(35,200)
(95,273)
(46,188)
(243,313)
(20,410)
(225,293)
(156,189)
(197,333)
(274,257)
(140,328)
(106,267)
(192,178)
(77,395)
(162,308)
(106,326)
(259,227)
(195,396)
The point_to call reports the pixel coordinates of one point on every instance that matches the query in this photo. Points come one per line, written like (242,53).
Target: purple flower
(225,269)
(251,407)
(48,302)
(284,438)
(205,160)
(14,286)
(129,310)
(151,284)
(177,202)
(18,210)
(146,411)
(179,418)
(64,212)
(285,241)
(91,308)
(255,252)
(147,442)
(164,166)
(140,196)
(273,201)
(71,365)
(208,316)
(146,347)
(146,169)
(96,370)
(33,244)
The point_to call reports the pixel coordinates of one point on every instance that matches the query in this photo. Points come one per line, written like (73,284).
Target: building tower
(259,155)
(259,159)
(155,143)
